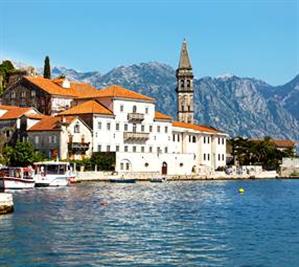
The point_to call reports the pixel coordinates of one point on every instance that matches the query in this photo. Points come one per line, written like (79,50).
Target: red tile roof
(116,91)
(200,128)
(49,123)
(161,116)
(283,143)
(13,112)
(54,87)
(88,107)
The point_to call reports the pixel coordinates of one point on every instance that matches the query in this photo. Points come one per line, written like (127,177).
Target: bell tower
(184,88)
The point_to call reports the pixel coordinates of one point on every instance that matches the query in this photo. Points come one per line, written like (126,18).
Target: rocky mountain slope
(239,106)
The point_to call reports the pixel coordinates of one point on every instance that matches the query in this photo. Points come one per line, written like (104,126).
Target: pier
(6,203)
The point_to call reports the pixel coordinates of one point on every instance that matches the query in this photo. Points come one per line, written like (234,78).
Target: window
(134,128)
(142,128)
(142,149)
(127,166)
(219,157)
(166,150)
(208,140)
(189,136)
(99,148)
(182,108)
(50,139)
(204,156)
(36,139)
(173,137)
(121,165)
(223,157)
(108,126)
(182,83)
(222,141)
(194,139)
(158,128)
(33,93)
(117,126)
(208,156)
(121,108)
(181,164)
(13,95)
(178,137)
(204,139)
(146,110)
(218,141)
(166,129)
(117,148)
(151,128)
(150,149)
(126,127)
(99,125)
(108,148)
(134,109)
(77,128)
(134,148)
(158,149)
(23,94)
(126,149)
(188,83)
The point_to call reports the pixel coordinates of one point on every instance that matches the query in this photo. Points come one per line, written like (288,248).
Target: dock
(6,203)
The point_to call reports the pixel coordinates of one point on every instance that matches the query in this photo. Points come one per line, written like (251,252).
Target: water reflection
(167,224)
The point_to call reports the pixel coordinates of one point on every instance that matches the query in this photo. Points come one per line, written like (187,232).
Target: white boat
(53,173)
(16,178)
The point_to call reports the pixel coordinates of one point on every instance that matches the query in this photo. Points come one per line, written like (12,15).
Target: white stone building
(144,140)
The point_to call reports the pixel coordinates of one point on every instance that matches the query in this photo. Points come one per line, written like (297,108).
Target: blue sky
(248,38)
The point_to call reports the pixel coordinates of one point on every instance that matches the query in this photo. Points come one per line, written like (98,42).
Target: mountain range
(239,106)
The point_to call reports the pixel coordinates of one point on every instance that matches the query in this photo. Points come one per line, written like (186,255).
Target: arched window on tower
(182,83)
(189,108)
(188,83)
(182,108)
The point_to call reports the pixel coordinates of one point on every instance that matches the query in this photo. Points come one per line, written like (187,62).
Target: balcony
(77,146)
(135,117)
(133,136)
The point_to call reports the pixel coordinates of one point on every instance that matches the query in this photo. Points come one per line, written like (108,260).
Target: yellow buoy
(241,190)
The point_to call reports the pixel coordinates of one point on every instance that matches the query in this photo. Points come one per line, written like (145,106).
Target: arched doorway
(164,168)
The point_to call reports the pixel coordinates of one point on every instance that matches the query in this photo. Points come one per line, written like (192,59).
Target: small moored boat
(122,180)
(53,173)
(16,178)
(157,179)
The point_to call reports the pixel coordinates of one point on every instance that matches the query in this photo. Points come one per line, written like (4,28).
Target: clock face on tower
(184,75)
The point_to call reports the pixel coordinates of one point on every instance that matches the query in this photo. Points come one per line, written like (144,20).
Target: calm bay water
(146,224)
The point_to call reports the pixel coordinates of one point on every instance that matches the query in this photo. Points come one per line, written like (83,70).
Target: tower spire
(184,57)
(184,88)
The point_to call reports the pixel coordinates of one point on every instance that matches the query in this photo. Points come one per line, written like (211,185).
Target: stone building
(62,137)
(47,96)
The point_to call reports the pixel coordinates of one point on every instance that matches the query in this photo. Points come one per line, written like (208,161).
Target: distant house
(14,122)
(62,137)
(284,145)
(47,96)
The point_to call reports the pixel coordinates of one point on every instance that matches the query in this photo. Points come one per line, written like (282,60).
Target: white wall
(177,164)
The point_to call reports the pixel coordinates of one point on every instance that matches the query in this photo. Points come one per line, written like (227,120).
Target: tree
(47,68)
(5,68)
(22,154)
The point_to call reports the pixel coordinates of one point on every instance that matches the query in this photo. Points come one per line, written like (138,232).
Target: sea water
(154,224)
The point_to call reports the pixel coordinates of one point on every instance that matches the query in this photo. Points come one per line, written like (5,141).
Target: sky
(257,38)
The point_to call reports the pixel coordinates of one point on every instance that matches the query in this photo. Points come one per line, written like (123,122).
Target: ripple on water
(145,224)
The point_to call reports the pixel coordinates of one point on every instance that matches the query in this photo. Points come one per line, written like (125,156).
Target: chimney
(66,83)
